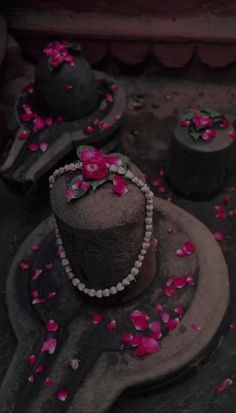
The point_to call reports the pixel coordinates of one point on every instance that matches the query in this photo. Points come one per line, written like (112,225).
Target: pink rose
(202,120)
(95,168)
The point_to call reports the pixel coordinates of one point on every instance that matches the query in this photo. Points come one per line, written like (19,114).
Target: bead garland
(132,276)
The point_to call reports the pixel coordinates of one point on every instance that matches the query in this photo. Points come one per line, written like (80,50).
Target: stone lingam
(69,104)
(98,305)
(198,155)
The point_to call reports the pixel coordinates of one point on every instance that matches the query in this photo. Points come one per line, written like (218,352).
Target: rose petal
(196,327)
(189,281)
(165,316)
(48,266)
(232,135)
(179,282)
(39,124)
(35,247)
(179,310)
(109,98)
(126,338)
(218,236)
(89,130)
(155,327)
(169,291)
(22,135)
(48,382)
(49,121)
(24,265)
(157,182)
(136,341)
(220,212)
(49,345)
(119,185)
(51,295)
(139,320)
(97,318)
(209,134)
(185,122)
(188,247)
(224,385)
(62,395)
(148,346)
(40,369)
(38,301)
(69,193)
(32,360)
(233,325)
(158,308)
(36,273)
(33,147)
(173,324)
(34,293)
(43,146)
(52,326)
(111,325)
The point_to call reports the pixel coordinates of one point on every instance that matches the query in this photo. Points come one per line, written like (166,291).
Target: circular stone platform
(106,369)
(21,168)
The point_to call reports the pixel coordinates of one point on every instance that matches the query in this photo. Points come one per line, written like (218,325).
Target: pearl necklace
(132,276)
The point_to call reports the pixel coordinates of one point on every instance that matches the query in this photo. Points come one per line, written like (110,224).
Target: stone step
(12,64)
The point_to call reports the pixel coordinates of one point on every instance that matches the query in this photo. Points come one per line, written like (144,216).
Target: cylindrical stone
(198,170)
(102,234)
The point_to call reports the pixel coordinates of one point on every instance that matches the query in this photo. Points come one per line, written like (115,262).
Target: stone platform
(106,369)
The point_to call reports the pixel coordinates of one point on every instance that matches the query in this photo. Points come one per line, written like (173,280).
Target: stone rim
(171,359)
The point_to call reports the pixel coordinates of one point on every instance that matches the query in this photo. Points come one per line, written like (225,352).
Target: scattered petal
(35,247)
(169,291)
(127,338)
(74,364)
(136,341)
(155,327)
(32,360)
(157,181)
(31,378)
(179,310)
(70,193)
(173,324)
(40,369)
(52,326)
(158,308)
(119,185)
(209,134)
(157,335)
(24,265)
(189,281)
(49,121)
(43,146)
(33,147)
(68,88)
(179,282)
(109,98)
(62,395)
(185,122)
(233,325)
(48,382)
(224,385)
(22,135)
(139,319)
(89,130)
(39,300)
(196,327)
(49,345)
(220,212)
(97,318)
(111,325)
(51,295)
(34,293)
(218,236)
(148,346)
(165,316)
(36,273)
(48,266)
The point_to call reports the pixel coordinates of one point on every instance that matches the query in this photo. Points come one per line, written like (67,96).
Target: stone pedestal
(198,170)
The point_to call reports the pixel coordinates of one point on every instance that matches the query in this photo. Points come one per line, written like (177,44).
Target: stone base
(105,370)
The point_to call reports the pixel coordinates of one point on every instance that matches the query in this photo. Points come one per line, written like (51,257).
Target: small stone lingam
(198,154)
(69,104)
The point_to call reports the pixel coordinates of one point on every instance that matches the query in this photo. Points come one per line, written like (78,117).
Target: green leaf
(76,179)
(123,158)
(110,176)
(212,113)
(96,184)
(75,47)
(195,135)
(188,116)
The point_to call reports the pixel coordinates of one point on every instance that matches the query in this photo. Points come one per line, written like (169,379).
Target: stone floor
(153,105)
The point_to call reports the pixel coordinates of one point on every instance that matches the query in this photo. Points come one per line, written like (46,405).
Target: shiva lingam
(199,151)
(98,306)
(69,104)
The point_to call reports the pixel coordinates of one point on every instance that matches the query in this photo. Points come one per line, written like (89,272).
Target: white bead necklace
(132,276)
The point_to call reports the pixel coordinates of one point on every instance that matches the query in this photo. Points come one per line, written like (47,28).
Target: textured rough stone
(93,51)
(173,55)
(102,234)
(217,56)
(13,87)
(130,52)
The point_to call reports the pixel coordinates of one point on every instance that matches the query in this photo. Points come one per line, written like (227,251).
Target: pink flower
(33,147)
(91,153)
(218,236)
(95,169)
(202,120)
(185,122)
(209,134)
(148,346)
(119,185)
(22,135)
(52,326)
(232,135)
(49,345)
(62,395)
(139,319)
(224,385)
(111,325)
(126,338)
(48,382)
(97,318)
(32,360)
